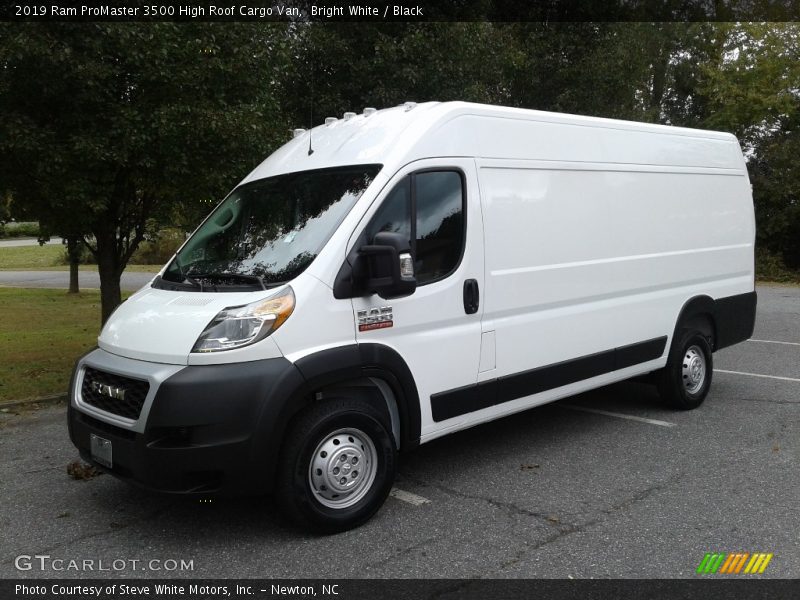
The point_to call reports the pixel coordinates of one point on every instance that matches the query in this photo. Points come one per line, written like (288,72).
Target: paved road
(552,492)
(131,281)
(12,242)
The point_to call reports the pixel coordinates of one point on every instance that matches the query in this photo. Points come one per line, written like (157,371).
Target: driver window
(437,236)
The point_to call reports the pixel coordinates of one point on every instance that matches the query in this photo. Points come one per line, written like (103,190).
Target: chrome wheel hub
(694,369)
(343,468)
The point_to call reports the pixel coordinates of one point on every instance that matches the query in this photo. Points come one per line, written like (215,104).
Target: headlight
(239,326)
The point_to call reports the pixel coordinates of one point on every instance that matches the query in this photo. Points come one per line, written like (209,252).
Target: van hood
(162,326)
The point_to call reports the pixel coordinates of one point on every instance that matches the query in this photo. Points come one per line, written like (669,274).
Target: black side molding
(460,401)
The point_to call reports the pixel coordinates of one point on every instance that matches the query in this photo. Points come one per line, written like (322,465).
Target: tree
(775,176)
(754,89)
(5,207)
(754,92)
(107,127)
(340,67)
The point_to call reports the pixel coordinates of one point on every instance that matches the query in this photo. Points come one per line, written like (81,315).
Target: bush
(17,230)
(156,251)
(770,267)
(87,258)
(160,249)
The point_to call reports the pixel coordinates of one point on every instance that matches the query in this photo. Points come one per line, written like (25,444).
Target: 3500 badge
(375,318)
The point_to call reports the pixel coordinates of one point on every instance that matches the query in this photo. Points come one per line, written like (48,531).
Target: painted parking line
(775,342)
(619,415)
(757,375)
(408,497)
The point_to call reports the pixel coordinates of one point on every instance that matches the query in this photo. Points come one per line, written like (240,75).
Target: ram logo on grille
(117,393)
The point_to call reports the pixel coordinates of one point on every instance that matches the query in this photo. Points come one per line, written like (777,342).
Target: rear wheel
(685,381)
(337,466)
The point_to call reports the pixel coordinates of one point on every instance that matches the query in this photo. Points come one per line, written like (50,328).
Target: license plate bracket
(102,451)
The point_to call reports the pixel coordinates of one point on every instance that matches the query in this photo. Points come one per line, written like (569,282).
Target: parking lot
(605,484)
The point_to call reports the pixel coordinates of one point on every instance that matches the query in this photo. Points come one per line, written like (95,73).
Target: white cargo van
(391,277)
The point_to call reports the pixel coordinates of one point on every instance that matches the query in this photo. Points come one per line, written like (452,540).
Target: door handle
(471,296)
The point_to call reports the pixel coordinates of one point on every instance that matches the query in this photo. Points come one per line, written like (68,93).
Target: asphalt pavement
(606,484)
(130,281)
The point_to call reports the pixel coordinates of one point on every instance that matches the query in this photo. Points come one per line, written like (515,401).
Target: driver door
(437,329)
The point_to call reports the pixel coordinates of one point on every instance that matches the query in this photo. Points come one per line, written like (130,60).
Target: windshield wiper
(184,276)
(255,279)
(193,281)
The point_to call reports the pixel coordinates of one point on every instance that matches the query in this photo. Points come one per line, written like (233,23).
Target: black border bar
(418,11)
(704,587)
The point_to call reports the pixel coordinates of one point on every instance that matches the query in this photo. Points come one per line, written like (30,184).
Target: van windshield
(267,232)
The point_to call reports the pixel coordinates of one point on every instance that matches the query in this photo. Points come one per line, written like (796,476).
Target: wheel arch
(696,310)
(367,365)
(312,378)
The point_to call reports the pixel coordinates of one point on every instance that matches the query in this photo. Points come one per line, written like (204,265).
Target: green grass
(42,332)
(50,257)
(25,258)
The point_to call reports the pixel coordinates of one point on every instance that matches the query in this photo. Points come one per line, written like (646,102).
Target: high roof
(396,136)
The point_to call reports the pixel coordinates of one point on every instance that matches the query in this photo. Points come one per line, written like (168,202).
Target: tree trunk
(110,293)
(108,266)
(74,253)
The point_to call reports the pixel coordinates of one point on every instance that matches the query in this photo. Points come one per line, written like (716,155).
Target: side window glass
(439,224)
(394,214)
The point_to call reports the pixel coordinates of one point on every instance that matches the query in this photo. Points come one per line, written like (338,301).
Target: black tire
(366,447)
(685,381)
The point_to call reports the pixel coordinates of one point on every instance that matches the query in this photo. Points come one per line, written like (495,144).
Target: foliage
(156,249)
(754,91)
(134,120)
(17,230)
(5,207)
(775,174)
(770,267)
(343,66)
(159,248)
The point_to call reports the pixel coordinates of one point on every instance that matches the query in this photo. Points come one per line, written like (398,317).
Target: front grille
(112,393)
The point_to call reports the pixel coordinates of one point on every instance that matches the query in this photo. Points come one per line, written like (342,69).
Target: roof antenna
(311,116)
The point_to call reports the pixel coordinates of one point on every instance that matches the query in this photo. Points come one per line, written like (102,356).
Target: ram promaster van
(391,277)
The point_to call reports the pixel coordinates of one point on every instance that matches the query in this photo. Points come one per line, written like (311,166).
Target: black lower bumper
(211,429)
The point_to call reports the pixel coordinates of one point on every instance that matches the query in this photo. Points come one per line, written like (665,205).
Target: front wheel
(685,381)
(337,466)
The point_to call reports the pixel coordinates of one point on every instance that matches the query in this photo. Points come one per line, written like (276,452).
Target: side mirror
(389,266)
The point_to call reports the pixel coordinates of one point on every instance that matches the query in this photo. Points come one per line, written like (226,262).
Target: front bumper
(201,429)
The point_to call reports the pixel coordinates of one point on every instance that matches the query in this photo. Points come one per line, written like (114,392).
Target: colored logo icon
(736,563)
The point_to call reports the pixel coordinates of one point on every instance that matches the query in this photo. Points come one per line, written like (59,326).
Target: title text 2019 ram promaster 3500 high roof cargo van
(391,277)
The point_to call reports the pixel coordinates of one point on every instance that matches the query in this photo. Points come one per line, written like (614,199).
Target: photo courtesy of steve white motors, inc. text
(276,11)
(170,589)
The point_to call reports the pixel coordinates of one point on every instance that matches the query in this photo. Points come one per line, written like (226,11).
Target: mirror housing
(389,266)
